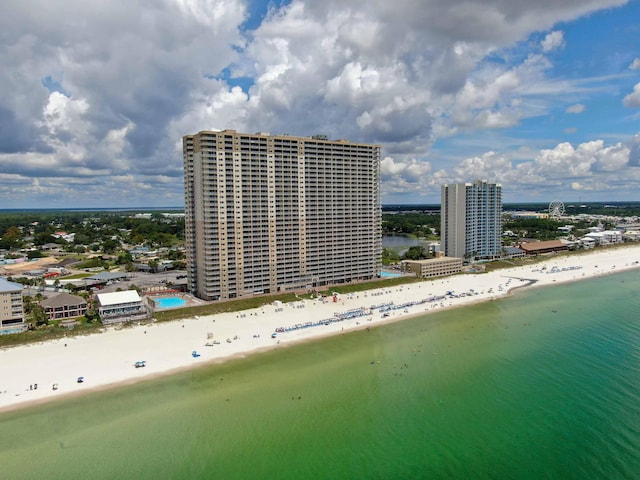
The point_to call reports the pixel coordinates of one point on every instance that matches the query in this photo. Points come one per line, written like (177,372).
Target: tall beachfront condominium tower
(471,220)
(274,213)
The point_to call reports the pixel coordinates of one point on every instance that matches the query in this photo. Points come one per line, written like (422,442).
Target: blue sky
(543,97)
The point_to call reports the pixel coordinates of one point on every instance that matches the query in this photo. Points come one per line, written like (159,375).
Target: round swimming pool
(170,302)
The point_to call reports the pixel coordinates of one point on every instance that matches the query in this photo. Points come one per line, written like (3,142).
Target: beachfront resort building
(471,220)
(267,214)
(11,308)
(548,246)
(433,267)
(119,307)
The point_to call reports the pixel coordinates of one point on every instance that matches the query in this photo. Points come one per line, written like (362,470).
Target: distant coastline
(386,207)
(90,209)
(506,206)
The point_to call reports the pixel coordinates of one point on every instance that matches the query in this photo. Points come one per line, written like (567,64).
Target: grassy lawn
(49,332)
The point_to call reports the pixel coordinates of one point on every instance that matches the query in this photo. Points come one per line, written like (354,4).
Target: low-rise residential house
(67,237)
(11,308)
(161,266)
(142,267)
(64,306)
(587,242)
(433,267)
(631,235)
(139,252)
(49,247)
(119,307)
(164,265)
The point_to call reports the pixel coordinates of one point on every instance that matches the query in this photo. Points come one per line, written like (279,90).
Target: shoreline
(106,360)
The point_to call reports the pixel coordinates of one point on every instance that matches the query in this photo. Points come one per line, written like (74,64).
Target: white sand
(108,359)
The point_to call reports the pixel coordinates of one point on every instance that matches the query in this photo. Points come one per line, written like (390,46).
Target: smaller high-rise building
(471,220)
(11,308)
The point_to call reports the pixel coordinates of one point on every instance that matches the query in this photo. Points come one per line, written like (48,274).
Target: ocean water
(542,385)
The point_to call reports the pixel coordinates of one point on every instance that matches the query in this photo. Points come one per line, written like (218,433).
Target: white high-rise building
(471,220)
(267,214)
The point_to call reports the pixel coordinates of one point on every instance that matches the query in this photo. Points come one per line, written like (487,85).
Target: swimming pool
(170,302)
(389,274)
(9,331)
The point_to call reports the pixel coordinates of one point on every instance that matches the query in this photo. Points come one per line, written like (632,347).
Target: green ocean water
(542,385)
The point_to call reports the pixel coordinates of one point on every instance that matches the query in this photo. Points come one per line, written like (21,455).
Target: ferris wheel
(556,209)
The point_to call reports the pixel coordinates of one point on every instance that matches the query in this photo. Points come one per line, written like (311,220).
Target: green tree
(12,238)
(92,313)
(110,246)
(389,256)
(34,312)
(417,223)
(43,238)
(38,315)
(415,253)
(27,303)
(177,255)
(124,258)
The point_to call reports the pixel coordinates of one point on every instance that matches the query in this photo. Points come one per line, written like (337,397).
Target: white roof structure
(607,234)
(118,298)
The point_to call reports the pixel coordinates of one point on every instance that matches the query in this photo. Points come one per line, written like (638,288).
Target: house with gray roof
(64,306)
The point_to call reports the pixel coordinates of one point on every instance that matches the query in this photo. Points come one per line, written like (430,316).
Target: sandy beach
(28,374)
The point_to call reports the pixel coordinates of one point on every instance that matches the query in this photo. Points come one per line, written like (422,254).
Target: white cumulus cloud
(633,99)
(99,102)
(553,41)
